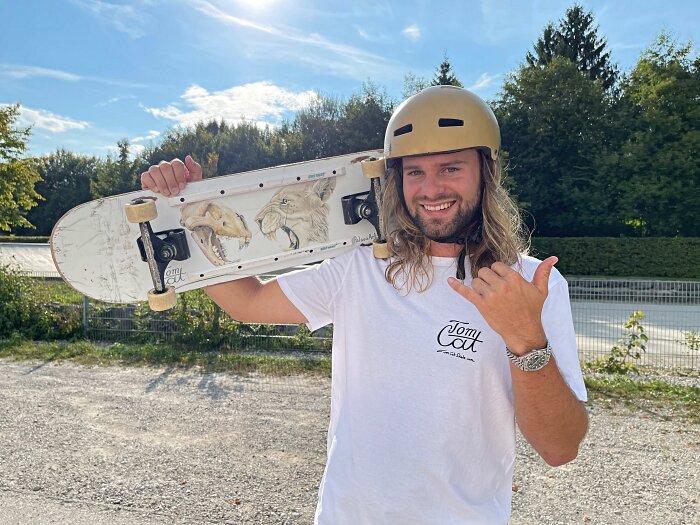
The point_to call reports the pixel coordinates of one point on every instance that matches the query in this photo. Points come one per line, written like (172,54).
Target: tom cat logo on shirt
(458,339)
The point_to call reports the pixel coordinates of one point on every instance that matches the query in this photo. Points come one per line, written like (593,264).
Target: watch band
(533,360)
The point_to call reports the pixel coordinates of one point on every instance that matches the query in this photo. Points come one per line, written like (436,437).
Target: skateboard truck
(367,205)
(157,249)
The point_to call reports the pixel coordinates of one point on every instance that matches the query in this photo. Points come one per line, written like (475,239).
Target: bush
(629,347)
(21,313)
(655,257)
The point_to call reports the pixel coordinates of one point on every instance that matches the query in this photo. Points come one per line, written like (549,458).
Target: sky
(88,73)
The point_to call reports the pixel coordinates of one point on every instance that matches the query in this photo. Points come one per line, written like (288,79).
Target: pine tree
(576,38)
(445,76)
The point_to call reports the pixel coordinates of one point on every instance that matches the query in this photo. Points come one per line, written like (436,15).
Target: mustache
(438,198)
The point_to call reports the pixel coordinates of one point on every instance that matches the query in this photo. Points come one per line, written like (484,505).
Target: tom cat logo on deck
(458,339)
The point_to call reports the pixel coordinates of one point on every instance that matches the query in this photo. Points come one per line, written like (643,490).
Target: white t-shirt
(422,426)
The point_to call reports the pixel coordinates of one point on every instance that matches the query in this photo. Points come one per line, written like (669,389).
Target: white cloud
(134,150)
(42,119)
(152,134)
(317,50)
(260,102)
(113,100)
(125,18)
(484,81)
(21,72)
(412,32)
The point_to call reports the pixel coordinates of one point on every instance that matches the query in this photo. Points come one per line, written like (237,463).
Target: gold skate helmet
(441,119)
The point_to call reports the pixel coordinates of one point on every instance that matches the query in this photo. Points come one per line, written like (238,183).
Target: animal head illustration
(300,211)
(207,221)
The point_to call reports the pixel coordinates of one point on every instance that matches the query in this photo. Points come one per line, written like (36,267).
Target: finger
(166,168)
(541,277)
(160,185)
(194,169)
(465,291)
(502,269)
(481,287)
(180,173)
(488,275)
(147,182)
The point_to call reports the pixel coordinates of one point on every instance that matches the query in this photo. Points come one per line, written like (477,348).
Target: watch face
(536,360)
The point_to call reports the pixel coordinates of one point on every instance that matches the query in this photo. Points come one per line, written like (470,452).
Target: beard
(448,232)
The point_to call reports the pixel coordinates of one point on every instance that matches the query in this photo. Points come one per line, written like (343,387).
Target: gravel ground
(137,446)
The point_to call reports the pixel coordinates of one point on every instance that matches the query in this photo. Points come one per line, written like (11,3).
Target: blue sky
(88,73)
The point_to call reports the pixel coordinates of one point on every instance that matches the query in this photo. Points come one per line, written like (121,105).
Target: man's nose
(432,184)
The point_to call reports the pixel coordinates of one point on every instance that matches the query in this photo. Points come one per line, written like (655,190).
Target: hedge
(23,238)
(648,257)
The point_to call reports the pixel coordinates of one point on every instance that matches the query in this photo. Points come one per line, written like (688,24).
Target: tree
(555,125)
(445,75)
(412,84)
(577,39)
(661,186)
(65,184)
(115,176)
(315,133)
(364,118)
(18,175)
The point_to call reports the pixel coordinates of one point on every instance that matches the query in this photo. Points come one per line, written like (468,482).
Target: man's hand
(511,305)
(169,178)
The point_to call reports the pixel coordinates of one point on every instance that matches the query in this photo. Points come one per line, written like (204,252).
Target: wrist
(522,346)
(533,360)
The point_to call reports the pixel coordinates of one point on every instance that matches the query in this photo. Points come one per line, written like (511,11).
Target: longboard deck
(263,221)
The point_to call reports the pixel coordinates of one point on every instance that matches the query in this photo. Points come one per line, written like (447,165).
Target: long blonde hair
(498,235)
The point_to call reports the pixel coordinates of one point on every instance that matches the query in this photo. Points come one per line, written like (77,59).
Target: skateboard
(142,245)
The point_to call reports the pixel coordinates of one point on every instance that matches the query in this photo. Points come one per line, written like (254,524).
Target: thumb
(542,273)
(194,168)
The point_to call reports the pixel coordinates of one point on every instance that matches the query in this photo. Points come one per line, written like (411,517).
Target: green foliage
(445,76)
(649,395)
(65,183)
(115,176)
(670,258)
(22,312)
(629,347)
(554,122)
(691,339)
(656,164)
(412,84)
(576,39)
(24,238)
(18,176)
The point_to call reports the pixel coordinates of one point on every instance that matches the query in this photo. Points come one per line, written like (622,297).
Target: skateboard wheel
(141,212)
(373,168)
(381,250)
(162,301)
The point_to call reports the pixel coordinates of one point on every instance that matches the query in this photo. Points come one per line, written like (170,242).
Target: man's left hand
(511,305)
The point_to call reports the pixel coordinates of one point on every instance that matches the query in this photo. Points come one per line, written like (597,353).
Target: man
(439,350)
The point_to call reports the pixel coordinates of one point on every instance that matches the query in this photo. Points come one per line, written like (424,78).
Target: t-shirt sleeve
(559,327)
(313,290)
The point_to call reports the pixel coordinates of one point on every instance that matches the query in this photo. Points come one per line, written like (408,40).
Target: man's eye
(284,202)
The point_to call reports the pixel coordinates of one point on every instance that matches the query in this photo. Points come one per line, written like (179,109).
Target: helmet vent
(403,130)
(450,122)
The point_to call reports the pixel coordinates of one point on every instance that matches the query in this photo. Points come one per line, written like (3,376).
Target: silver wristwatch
(532,361)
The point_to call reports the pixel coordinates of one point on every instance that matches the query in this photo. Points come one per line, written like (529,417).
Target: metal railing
(600,308)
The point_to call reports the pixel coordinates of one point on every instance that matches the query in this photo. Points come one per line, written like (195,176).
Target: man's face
(442,192)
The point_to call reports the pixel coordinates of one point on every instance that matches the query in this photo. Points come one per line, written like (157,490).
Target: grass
(93,354)
(654,396)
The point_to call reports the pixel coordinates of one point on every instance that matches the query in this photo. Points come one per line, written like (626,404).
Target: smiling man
(441,349)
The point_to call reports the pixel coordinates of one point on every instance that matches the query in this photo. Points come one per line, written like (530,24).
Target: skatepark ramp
(33,259)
